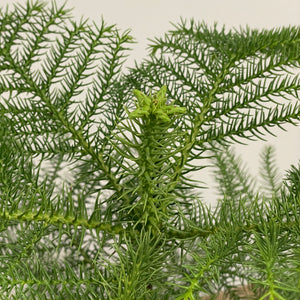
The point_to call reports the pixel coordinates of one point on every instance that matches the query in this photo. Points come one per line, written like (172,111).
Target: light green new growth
(159,154)
(155,106)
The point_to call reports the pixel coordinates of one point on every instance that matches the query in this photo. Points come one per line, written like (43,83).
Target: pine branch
(128,221)
(233,179)
(269,172)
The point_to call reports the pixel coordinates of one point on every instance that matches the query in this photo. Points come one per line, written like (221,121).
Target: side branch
(98,157)
(200,120)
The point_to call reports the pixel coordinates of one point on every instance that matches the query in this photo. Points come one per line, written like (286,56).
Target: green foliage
(97,197)
(153,148)
(269,172)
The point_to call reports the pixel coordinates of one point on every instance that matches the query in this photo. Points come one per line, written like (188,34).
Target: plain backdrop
(148,19)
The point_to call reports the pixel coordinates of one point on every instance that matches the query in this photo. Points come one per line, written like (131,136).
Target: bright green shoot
(155,106)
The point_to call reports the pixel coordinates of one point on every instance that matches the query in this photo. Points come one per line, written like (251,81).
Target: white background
(148,19)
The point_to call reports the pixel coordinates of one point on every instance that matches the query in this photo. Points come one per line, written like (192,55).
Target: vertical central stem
(153,199)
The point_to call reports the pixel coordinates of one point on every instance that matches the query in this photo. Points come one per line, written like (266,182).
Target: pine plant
(100,166)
